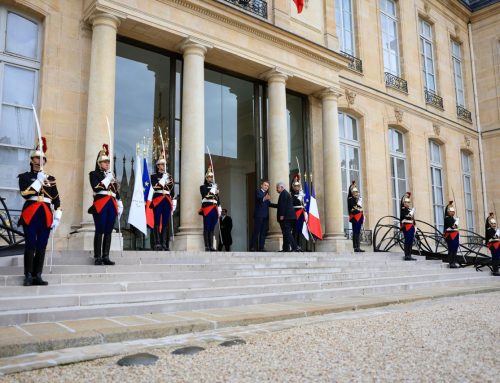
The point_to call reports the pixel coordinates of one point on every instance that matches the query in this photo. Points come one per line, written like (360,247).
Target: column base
(83,238)
(188,241)
(335,244)
(274,242)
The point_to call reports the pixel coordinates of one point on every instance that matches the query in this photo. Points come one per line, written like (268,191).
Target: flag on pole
(305,228)
(148,195)
(299,4)
(137,214)
(314,221)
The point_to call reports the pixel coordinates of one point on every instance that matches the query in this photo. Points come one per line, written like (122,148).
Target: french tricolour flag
(314,221)
(148,195)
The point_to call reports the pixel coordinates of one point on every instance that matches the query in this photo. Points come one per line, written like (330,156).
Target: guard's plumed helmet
(103,154)
(296,180)
(353,189)
(406,198)
(448,209)
(209,172)
(161,160)
(490,221)
(37,153)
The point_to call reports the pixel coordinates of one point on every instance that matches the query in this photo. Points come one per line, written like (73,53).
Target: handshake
(267,197)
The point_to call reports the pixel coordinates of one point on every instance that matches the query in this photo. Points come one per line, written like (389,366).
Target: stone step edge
(407,278)
(11,349)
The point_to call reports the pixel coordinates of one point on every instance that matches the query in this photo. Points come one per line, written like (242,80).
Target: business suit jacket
(285,206)
(261,207)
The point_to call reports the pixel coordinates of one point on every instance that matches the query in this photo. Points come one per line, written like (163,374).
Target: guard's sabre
(40,142)
(52,251)
(213,172)
(172,211)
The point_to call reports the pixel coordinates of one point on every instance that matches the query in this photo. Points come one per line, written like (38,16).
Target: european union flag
(146,183)
(307,197)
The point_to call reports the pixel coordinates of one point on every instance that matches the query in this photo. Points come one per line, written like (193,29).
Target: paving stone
(142,359)
(189,350)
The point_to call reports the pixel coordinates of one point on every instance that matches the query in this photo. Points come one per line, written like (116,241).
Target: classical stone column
(333,239)
(101,104)
(193,145)
(277,135)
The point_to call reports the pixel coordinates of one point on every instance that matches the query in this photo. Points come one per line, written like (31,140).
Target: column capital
(103,18)
(276,74)
(329,93)
(193,45)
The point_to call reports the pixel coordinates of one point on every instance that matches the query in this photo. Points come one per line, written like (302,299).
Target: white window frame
(394,157)
(456,62)
(466,160)
(391,18)
(342,31)
(436,167)
(16,60)
(345,144)
(426,54)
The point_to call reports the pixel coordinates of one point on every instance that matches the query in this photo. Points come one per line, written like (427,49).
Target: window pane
(17,126)
(18,86)
(401,168)
(12,162)
(22,36)
(341,126)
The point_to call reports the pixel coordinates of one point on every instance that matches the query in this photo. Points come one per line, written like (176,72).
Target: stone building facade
(383,92)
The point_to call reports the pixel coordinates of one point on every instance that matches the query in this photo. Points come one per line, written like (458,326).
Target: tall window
(467,177)
(427,56)
(345,25)
(456,58)
(397,154)
(437,184)
(390,40)
(350,161)
(19,66)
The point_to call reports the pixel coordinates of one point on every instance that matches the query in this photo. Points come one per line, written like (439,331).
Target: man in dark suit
(286,217)
(261,217)
(226,225)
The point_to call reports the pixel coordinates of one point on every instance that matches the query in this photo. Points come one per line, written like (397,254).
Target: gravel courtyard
(446,340)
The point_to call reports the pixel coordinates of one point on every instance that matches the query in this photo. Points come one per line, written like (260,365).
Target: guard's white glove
(107,179)
(174,205)
(412,212)
(163,180)
(360,201)
(306,216)
(41,176)
(300,197)
(57,219)
(497,233)
(214,189)
(457,222)
(120,208)
(219,209)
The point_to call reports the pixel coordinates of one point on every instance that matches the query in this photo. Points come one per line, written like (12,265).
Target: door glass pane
(18,86)
(22,36)
(295,122)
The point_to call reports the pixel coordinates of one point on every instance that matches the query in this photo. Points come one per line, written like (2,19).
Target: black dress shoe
(108,262)
(98,261)
(410,258)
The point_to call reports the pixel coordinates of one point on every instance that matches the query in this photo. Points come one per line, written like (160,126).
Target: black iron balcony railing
(464,114)
(355,64)
(396,82)
(257,7)
(433,99)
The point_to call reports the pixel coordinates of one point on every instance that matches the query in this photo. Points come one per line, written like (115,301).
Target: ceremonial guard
(407,221)
(210,208)
(493,242)
(356,216)
(163,204)
(298,206)
(451,234)
(106,207)
(41,213)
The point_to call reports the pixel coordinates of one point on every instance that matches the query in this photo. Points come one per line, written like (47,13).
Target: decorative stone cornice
(96,10)
(107,19)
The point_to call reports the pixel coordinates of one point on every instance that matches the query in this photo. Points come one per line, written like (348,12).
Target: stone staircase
(162,282)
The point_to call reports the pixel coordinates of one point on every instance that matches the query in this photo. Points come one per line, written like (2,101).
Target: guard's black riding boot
(205,238)
(408,256)
(453,262)
(157,237)
(210,241)
(106,245)
(360,250)
(97,249)
(164,238)
(38,268)
(354,243)
(28,266)
(495,269)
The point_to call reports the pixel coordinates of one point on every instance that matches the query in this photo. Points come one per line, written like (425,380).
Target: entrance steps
(162,282)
